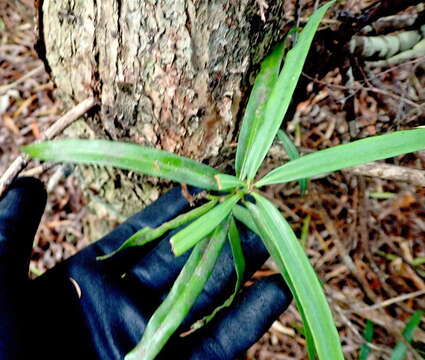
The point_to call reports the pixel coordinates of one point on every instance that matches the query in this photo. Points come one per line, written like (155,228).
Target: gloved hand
(48,318)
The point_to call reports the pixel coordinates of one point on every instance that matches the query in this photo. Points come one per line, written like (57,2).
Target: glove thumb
(20,212)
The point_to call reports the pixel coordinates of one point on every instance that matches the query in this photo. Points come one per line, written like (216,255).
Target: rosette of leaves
(213,223)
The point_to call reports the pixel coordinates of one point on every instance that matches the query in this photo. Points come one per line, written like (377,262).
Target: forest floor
(365,236)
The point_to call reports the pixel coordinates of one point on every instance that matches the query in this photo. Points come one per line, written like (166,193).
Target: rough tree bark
(172,74)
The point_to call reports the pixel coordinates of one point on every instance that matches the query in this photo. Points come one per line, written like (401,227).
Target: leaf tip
(27,149)
(107,256)
(173,247)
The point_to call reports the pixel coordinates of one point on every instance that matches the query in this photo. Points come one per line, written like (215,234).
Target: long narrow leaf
(367,335)
(254,113)
(237,252)
(347,155)
(201,227)
(177,289)
(239,261)
(244,216)
(304,230)
(303,280)
(400,349)
(148,234)
(228,182)
(145,160)
(293,154)
(281,95)
(188,288)
(311,348)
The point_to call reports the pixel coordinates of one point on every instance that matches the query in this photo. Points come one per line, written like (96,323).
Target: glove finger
(238,327)
(99,282)
(157,271)
(20,213)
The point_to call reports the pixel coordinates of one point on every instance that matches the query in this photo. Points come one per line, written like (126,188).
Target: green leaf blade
(281,95)
(400,349)
(201,227)
(186,289)
(293,154)
(239,261)
(244,216)
(228,182)
(145,160)
(148,234)
(300,276)
(177,289)
(253,115)
(368,336)
(347,155)
(288,145)
(237,252)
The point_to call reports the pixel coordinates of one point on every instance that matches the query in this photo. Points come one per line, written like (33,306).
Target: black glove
(47,318)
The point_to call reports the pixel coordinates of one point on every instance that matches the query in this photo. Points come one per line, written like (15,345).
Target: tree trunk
(172,74)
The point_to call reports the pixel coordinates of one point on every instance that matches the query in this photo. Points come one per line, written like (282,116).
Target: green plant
(368,336)
(214,222)
(400,350)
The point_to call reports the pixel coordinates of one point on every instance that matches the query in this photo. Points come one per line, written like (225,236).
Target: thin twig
(370,88)
(344,254)
(417,61)
(22,160)
(394,96)
(74,114)
(351,326)
(5,88)
(370,78)
(390,172)
(37,170)
(387,302)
